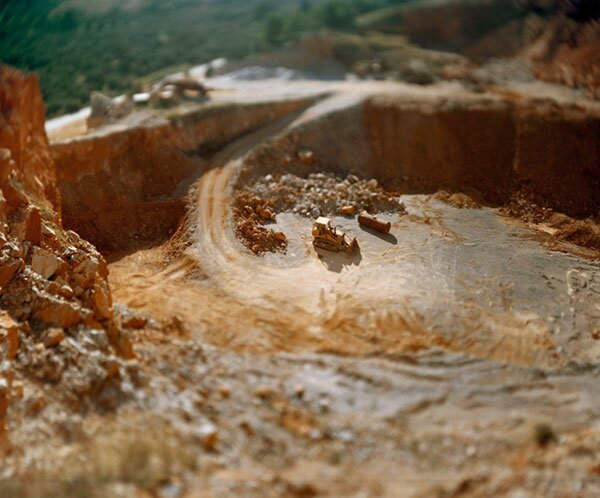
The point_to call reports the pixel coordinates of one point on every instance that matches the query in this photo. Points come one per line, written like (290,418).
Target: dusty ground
(456,356)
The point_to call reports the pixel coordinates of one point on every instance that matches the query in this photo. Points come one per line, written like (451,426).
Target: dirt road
(444,350)
(462,272)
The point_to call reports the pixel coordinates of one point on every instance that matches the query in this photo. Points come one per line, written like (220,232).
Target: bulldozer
(327,237)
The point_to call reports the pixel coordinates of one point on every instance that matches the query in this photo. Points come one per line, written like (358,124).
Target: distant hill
(78,46)
(82,45)
(452,25)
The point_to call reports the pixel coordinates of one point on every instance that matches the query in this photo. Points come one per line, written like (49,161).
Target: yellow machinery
(327,237)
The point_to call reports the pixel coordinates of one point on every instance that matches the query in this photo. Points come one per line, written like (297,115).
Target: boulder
(119,340)
(9,336)
(307,157)
(28,226)
(53,337)
(266,214)
(208,436)
(124,347)
(59,313)
(9,269)
(133,321)
(14,196)
(50,239)
(101,302)
(44,263)
(348,210)
(85,273)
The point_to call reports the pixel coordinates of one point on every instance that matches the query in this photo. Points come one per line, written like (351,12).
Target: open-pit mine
(168,328)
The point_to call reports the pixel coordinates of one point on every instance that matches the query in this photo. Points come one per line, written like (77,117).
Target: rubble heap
(251,213)
(561,227)
(257,201)
(54,295)
(107,110)
(325,194)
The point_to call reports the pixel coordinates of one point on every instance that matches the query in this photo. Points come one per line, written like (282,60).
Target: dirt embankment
(492,148)
(487,147)
(126,189)
(22,134)
(123,190)
(265,413)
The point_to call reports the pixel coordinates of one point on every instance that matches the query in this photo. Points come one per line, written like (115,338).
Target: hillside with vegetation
(78,46)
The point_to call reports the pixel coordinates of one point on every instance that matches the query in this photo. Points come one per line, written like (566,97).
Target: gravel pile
(325,194)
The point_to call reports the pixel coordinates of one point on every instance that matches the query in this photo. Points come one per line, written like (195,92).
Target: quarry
(168,328)
(292,366)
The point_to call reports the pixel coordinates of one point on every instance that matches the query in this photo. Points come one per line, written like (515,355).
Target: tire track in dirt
(344,306)
(227,263)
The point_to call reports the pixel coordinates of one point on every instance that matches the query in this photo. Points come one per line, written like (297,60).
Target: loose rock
(59,313)
(307,157)
(209,436)
(53,337)
(9,338)
(44,263)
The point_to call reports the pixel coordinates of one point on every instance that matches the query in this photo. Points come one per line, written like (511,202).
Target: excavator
(326,236)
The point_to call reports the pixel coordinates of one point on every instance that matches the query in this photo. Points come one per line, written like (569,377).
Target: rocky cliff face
(125,189)
(53,285)
(560,38)
(568,52)
(495,147)
(24,140)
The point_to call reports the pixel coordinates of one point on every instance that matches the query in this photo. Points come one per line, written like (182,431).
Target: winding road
(465,275)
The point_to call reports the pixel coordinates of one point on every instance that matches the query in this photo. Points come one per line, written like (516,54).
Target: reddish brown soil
(315,376)
(126,190)
(569,53)
(457,199)
(557,227)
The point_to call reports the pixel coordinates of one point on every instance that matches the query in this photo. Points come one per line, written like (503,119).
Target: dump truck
(326,236)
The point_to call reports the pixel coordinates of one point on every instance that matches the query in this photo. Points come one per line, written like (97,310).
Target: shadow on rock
(336,261)
(387,237)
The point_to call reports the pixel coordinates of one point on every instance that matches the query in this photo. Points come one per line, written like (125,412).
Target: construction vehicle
(373,222)
(326,236)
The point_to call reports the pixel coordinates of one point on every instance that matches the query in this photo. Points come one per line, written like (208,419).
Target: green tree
(305,5)
(66,21)
(274,28)
(262,9)
(338,14)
